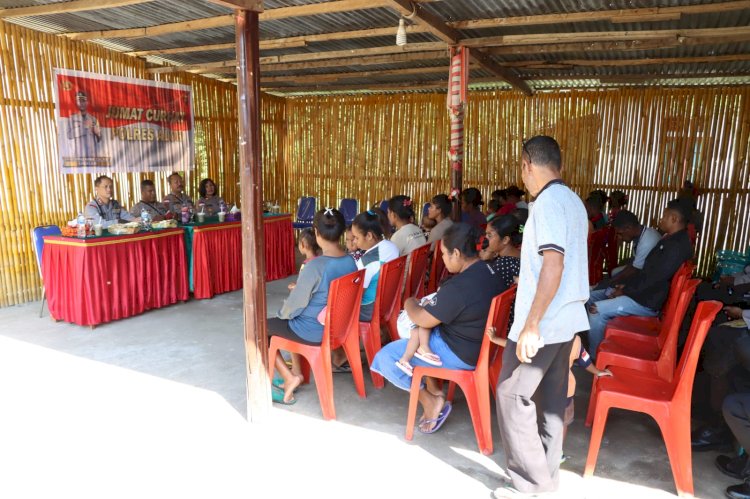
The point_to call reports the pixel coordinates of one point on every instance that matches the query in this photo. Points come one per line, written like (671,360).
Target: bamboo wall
(643,141)
(33,190)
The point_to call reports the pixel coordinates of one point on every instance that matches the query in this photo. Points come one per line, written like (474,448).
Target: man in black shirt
(645,292)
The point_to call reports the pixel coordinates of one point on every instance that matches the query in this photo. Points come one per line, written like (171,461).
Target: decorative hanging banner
(113,124)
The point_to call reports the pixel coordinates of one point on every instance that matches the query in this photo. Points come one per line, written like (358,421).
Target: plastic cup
(222,215)
(98,229)
(201,217)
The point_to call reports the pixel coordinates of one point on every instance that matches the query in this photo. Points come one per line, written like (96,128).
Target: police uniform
(83,137)
(154,209)
(212,204)
(110,213)
(178,199)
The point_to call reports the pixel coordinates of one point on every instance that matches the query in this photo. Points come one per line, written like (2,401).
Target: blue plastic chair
(305,213)
(37,238)
(384,205)
(425,209)
(349,208)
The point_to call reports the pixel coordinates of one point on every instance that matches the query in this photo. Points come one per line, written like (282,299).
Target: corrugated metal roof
(165,11)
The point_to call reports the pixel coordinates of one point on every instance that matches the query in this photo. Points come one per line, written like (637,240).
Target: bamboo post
(251,192)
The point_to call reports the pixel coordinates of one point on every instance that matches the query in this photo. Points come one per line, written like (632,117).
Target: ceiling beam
(603,36)
(230,66)
(339,54)
(288,42)
(451,36)
(570,63)
(66,7)
(228,19)
(321,78)
(618,46)
(251,5)
(618,15)
(264,45)
(443,84)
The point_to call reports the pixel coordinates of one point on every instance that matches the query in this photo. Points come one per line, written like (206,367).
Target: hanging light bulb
(401,33)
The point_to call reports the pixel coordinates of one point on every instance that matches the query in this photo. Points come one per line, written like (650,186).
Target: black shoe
(708,438)
(741,491)
(732,466)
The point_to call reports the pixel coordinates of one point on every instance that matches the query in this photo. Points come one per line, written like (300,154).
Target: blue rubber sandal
(438,422)
(277,395)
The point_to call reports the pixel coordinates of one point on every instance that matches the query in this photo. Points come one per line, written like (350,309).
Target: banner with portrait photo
(108,124)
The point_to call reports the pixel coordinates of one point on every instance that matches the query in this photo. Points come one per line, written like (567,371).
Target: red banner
(113,124)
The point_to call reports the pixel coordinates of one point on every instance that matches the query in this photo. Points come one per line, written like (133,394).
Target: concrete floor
(154,406)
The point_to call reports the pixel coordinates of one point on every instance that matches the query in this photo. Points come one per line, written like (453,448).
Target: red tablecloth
(217,254)
(89,282)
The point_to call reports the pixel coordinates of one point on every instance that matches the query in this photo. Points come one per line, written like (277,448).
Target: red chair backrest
(498,318)
(389,289)
(675,288)
(685,373)
(417,272)
(596,245)
(342,314)
(437,271)
(668,341)
(612,247)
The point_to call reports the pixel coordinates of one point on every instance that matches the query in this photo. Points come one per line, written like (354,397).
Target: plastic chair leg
(451,391)
(479,409)
(592,403)
(372,346)
(600,419)
(351,348)
(304,366)
(677,440)
(321,366)
(411,416)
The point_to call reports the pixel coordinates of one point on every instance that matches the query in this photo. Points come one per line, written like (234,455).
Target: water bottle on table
(146,219)
(81,226)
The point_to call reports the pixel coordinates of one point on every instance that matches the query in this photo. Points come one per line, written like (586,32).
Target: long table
(215,254)
(102,279)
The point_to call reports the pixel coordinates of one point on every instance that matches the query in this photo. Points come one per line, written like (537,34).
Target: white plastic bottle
(146,219)
(81,222)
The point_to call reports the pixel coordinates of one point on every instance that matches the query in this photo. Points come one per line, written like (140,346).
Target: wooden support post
(251,187)
(457,84)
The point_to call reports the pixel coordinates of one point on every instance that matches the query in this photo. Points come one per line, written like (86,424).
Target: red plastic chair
(340,330)
(660,355)
(496,351)
(612,244)
(653,359)
(597,246)
(475,384)
(418,260)
(648,329)
(667,402)
(384,311)
(437,270)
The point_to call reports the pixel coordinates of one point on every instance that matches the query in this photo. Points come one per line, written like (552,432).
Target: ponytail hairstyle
(329,223)
(508,226)
(462,237)
(307,237)
(402,207)
(443,204)
(369,222)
